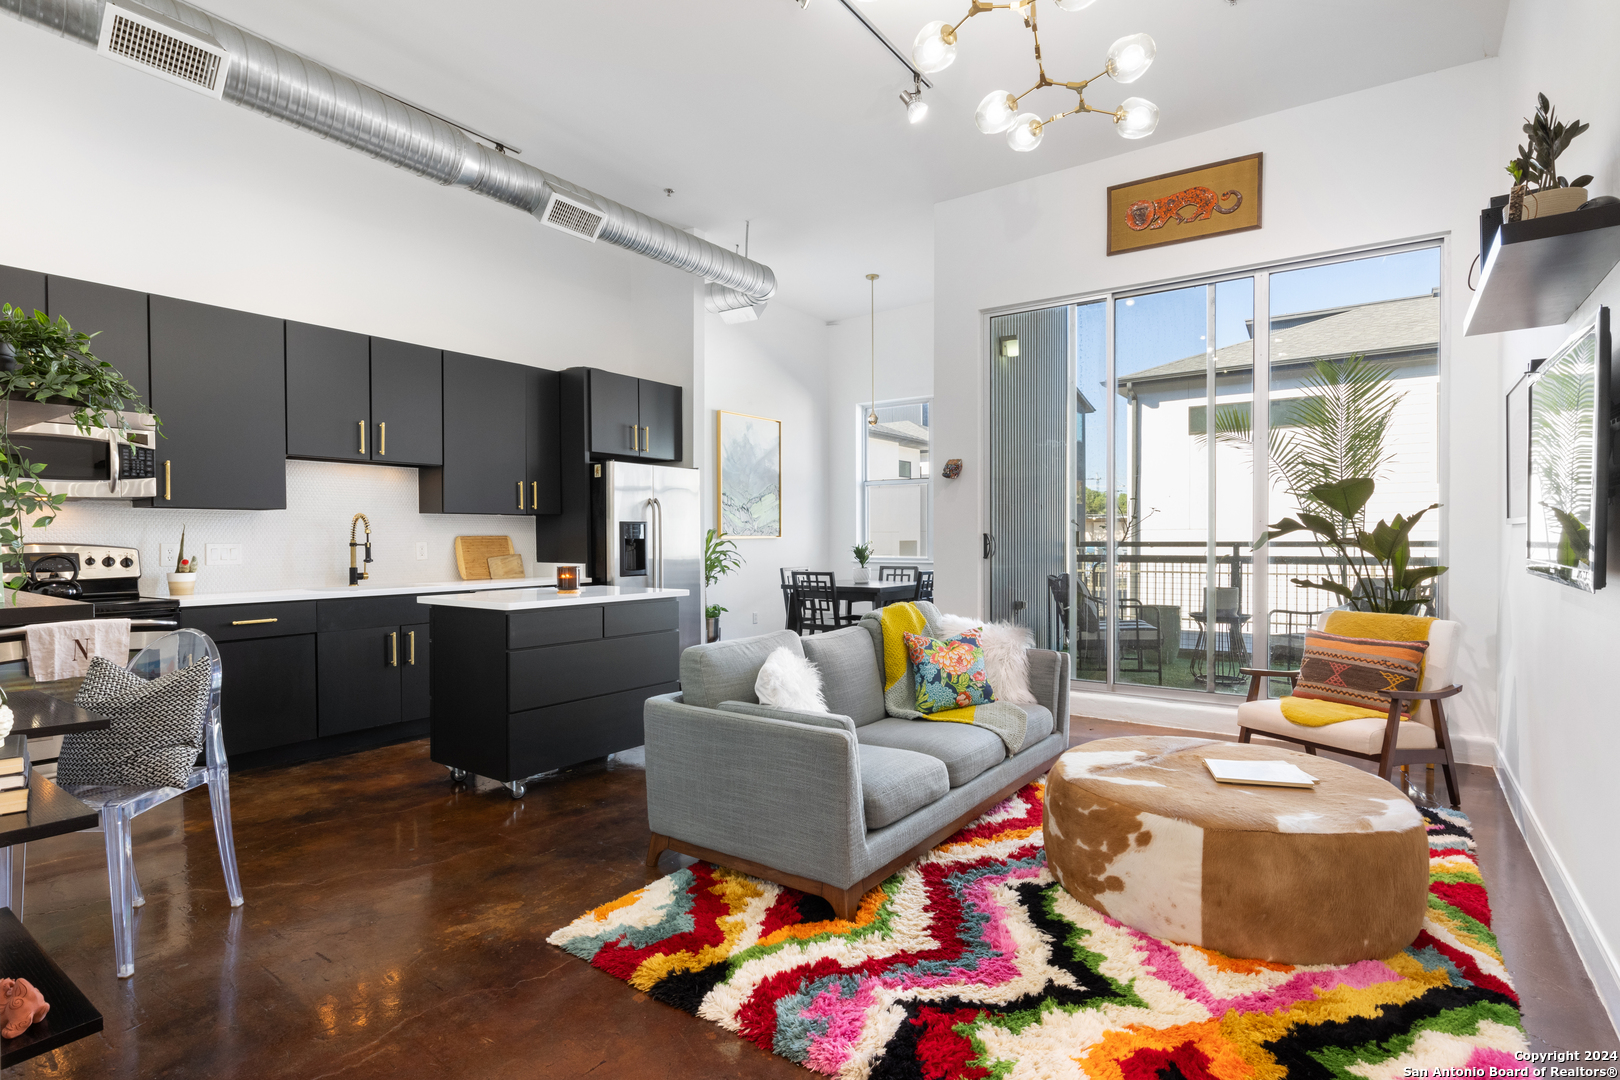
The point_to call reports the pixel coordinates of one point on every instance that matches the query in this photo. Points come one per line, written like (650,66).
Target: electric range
(110,578)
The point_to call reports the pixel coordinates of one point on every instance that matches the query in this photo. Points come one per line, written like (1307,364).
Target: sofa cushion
(726,670)
(895,783)
(797,716)
(1040,723)
(850,679)
(1363,736)
(966,750)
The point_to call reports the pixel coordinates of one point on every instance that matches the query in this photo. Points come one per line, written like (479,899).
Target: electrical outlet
(170,556)
(756,617)
(421,549)
(224,555)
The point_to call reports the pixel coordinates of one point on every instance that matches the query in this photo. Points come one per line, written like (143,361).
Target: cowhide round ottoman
(1138,829)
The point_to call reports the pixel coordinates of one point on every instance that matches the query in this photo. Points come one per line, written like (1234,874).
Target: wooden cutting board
(474,552)
(505,566)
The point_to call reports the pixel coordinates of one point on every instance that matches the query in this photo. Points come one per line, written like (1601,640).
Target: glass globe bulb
(1026,132)
(1140,119)
(995,113)
(916,110)
(931,51)
(1130,56)
(1074,5)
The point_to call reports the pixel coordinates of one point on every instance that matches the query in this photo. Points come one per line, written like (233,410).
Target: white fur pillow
(789,681)
(1006,664)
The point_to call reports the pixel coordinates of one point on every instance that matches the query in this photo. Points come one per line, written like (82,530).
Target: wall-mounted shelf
(1539,271)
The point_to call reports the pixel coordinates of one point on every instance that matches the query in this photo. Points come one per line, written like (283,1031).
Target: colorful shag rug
(973,962)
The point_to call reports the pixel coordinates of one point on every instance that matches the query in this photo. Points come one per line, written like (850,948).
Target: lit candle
(567,579)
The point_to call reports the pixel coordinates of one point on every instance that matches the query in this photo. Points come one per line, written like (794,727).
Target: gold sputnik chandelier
(1135,118)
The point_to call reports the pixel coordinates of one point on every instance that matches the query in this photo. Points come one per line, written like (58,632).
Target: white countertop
(365,588)
(530,599)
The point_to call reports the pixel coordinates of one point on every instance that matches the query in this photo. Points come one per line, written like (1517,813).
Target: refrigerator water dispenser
(632,549)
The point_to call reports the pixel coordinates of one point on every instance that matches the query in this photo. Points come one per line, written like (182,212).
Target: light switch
(224,555)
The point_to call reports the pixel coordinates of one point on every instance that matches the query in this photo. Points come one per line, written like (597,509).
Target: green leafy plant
(720,557)
(1378,560)
(1537,163)
(53,364)
(862,552)
(713,611)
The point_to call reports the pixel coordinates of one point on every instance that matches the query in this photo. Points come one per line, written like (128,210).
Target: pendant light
(871,414)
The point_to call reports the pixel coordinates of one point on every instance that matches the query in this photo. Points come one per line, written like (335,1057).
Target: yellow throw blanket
(1312,712)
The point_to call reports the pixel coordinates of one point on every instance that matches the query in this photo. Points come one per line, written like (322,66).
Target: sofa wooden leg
(845,902)
(656,847)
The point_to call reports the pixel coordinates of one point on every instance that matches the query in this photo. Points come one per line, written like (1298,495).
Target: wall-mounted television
(1568,504)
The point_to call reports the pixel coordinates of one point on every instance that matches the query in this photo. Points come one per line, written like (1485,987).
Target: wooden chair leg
(656,847)
(1392,728)
(1443,736)
(1311,750)
(1244,734)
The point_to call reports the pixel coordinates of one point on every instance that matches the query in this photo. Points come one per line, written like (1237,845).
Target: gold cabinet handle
(251,622)
(648,447)
(362,424)
(520,494)
(635,438)
(393,648)
(410,643)
(168,492)
(534,497)
(382,439)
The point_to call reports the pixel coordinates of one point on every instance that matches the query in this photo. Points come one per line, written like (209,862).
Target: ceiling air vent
(572,216)
(159,46)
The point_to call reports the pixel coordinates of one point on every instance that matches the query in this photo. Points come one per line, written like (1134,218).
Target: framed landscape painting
(750,476)
(1193,204)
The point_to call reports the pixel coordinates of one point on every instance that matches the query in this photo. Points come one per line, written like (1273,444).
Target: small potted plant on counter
(863,553)
(720,557)
(183,578)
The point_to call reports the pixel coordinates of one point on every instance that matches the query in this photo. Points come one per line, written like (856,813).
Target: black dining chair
(897,573)
(787,596)
(816,603)
(925,585)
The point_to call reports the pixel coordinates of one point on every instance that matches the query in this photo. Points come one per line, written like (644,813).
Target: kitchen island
(530,680)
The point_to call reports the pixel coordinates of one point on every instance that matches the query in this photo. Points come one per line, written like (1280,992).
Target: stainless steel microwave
(116,462)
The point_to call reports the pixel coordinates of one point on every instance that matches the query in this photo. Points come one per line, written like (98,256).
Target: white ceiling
(758,110)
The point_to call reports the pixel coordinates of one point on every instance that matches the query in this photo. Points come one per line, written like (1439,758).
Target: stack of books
(13,786)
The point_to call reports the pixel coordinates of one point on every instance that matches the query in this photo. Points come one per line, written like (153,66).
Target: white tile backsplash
(302,547)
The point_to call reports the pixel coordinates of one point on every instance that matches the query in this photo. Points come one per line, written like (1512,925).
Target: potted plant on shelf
(863,553)
(720,557)
(183,578)
(49,363)
(1538,189)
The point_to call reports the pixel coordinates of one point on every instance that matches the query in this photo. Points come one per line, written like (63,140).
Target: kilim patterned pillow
(1355,670)
(156,730)
(950,674)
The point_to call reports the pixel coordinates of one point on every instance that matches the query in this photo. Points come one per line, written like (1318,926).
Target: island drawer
(551,676)
(369,612)
(641,617)
(238,622)
(528,629)
(562,735)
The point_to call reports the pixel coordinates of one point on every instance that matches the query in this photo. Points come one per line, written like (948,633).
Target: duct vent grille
(159,46)
(573,217)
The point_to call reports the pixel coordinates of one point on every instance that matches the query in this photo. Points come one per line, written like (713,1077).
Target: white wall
(1325,190)
(1558,739)
(153,188)
(905,369)
(776,368)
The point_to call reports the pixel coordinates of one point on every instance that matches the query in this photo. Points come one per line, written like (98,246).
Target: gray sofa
(828,803)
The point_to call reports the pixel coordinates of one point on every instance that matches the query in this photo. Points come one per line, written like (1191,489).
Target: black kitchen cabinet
(328,394)
(415,690)
(22,289)
(660,409)
(407,413)
(116,316)
(359,684)
(268,697)
(485,467)
(544,440)
(219,383)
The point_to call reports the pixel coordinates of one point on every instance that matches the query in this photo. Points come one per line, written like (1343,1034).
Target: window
(895,506)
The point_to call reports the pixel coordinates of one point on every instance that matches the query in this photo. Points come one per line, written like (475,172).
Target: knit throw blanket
(900,682)
(1313,712)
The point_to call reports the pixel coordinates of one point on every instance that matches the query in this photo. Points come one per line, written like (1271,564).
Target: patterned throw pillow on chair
(156,732)
(1355,670)
(950,674)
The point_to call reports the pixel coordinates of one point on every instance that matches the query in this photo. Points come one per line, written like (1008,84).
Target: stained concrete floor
(396,926)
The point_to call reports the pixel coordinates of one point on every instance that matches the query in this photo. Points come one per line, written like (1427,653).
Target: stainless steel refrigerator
(647,532)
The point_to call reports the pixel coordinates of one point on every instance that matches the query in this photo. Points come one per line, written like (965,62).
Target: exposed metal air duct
(269,79)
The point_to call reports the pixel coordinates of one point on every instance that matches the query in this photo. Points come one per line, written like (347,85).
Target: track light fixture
(916,107)
(1130,56)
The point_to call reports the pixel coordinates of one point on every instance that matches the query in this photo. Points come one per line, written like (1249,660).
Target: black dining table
(877,593)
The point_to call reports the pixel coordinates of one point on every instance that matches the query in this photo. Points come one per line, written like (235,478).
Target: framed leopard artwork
(1210,200)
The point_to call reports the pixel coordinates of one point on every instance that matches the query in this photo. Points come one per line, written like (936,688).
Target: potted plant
(1538,189)
(862,552)
(720,557)
(183,578)
(51,363)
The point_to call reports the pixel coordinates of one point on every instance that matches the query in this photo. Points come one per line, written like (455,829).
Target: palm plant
(720,557)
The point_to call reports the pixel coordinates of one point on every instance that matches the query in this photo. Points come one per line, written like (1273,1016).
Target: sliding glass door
(1140,442)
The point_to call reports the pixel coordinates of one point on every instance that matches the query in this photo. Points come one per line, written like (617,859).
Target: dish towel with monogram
(900,677)
(63,650)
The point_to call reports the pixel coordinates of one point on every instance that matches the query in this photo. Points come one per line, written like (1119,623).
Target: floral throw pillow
(950,674)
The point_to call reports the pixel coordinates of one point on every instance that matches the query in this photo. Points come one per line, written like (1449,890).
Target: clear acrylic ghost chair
(119,806)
